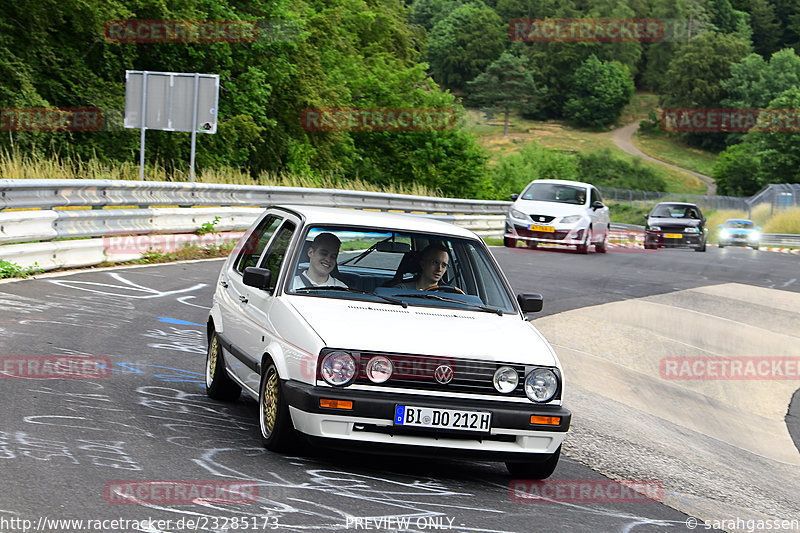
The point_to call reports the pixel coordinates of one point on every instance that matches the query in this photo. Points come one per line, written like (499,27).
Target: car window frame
(301,235)
(270,247)
(260,223)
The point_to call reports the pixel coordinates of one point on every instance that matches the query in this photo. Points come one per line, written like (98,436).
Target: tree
(463,44)
(736,171)
(777,144)
(599,91)
(754,83)
(766,28)
(695,77)
(507,84)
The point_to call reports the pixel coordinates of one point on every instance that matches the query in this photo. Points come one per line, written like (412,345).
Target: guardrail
(63,223)
(47,194)
(55,232)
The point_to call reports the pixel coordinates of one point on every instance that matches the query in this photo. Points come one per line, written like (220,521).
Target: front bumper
(687,240)
(563,234)
(371,424)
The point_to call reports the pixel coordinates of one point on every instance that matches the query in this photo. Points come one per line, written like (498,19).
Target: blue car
(739,232)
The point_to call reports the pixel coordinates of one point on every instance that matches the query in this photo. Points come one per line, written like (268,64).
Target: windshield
(554,192)
(400,268)
(740,224)
(676,211)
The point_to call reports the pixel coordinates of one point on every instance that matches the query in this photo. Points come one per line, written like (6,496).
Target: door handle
(224,284)
(243,299)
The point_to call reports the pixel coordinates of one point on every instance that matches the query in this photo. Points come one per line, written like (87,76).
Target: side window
(256,242)
(595,197)
(276,253)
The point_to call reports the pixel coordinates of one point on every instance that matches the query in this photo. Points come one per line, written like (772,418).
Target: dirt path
(623,138)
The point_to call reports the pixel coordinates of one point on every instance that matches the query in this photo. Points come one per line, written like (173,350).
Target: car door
(258,330)
(600,217)
(234,294)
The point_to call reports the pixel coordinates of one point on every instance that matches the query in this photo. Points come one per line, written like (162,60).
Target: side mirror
(646,218)
(259,278)
(530,303)
(514,197)
(597,205)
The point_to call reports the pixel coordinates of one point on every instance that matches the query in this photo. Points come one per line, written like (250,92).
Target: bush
(513,172)
(604,169)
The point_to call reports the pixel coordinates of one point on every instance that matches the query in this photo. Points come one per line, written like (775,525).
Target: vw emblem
(443,374)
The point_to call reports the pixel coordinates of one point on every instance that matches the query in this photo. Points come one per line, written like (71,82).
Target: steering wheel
(445,288)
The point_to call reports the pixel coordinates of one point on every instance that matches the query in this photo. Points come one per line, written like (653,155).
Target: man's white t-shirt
(304,281)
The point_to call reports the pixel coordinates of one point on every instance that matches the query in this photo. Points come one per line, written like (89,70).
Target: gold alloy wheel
(212,360)
(269,409)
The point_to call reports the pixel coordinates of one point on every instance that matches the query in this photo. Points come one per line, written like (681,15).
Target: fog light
(379,369)
(505,379)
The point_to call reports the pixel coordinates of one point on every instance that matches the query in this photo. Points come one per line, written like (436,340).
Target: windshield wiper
(348,289)
(429,296)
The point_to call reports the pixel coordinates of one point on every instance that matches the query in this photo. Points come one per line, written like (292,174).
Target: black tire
(701,248)
(540,469)
(219,384)
(508,242)
(602,246)
(274,424)
(583,248)
(754,247)
(720,245)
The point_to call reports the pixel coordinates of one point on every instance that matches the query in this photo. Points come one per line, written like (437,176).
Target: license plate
(673,236)
(426,417)
(546,229)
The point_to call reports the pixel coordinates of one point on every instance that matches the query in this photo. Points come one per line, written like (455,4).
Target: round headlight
(379,369)
(505,379)
(339,368)
(541,385)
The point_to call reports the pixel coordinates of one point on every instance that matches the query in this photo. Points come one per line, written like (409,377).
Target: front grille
(541,218)
(469,376)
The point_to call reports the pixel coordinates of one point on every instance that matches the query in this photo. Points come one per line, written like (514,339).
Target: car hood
(534,207)
(689,222)
(371,326)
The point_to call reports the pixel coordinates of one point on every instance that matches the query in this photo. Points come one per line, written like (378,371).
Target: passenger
(322,256)
(433,262)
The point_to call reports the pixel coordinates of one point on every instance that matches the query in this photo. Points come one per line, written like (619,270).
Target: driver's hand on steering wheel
(436,287)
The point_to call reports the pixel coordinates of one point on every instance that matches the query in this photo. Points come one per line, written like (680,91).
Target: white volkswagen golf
(558,212)
(393,333)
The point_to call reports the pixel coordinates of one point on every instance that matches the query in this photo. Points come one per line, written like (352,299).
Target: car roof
(562,182)
(676,203)
(355,217)
(739,220)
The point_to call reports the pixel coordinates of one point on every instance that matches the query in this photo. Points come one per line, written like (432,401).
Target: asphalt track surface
(65,444)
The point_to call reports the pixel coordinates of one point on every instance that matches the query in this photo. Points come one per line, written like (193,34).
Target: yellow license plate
(673,235)
(547,229)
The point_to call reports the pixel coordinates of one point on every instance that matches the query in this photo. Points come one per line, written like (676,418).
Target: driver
(322,256)
(433,262)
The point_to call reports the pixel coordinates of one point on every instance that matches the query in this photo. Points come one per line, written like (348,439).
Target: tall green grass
(14,165)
